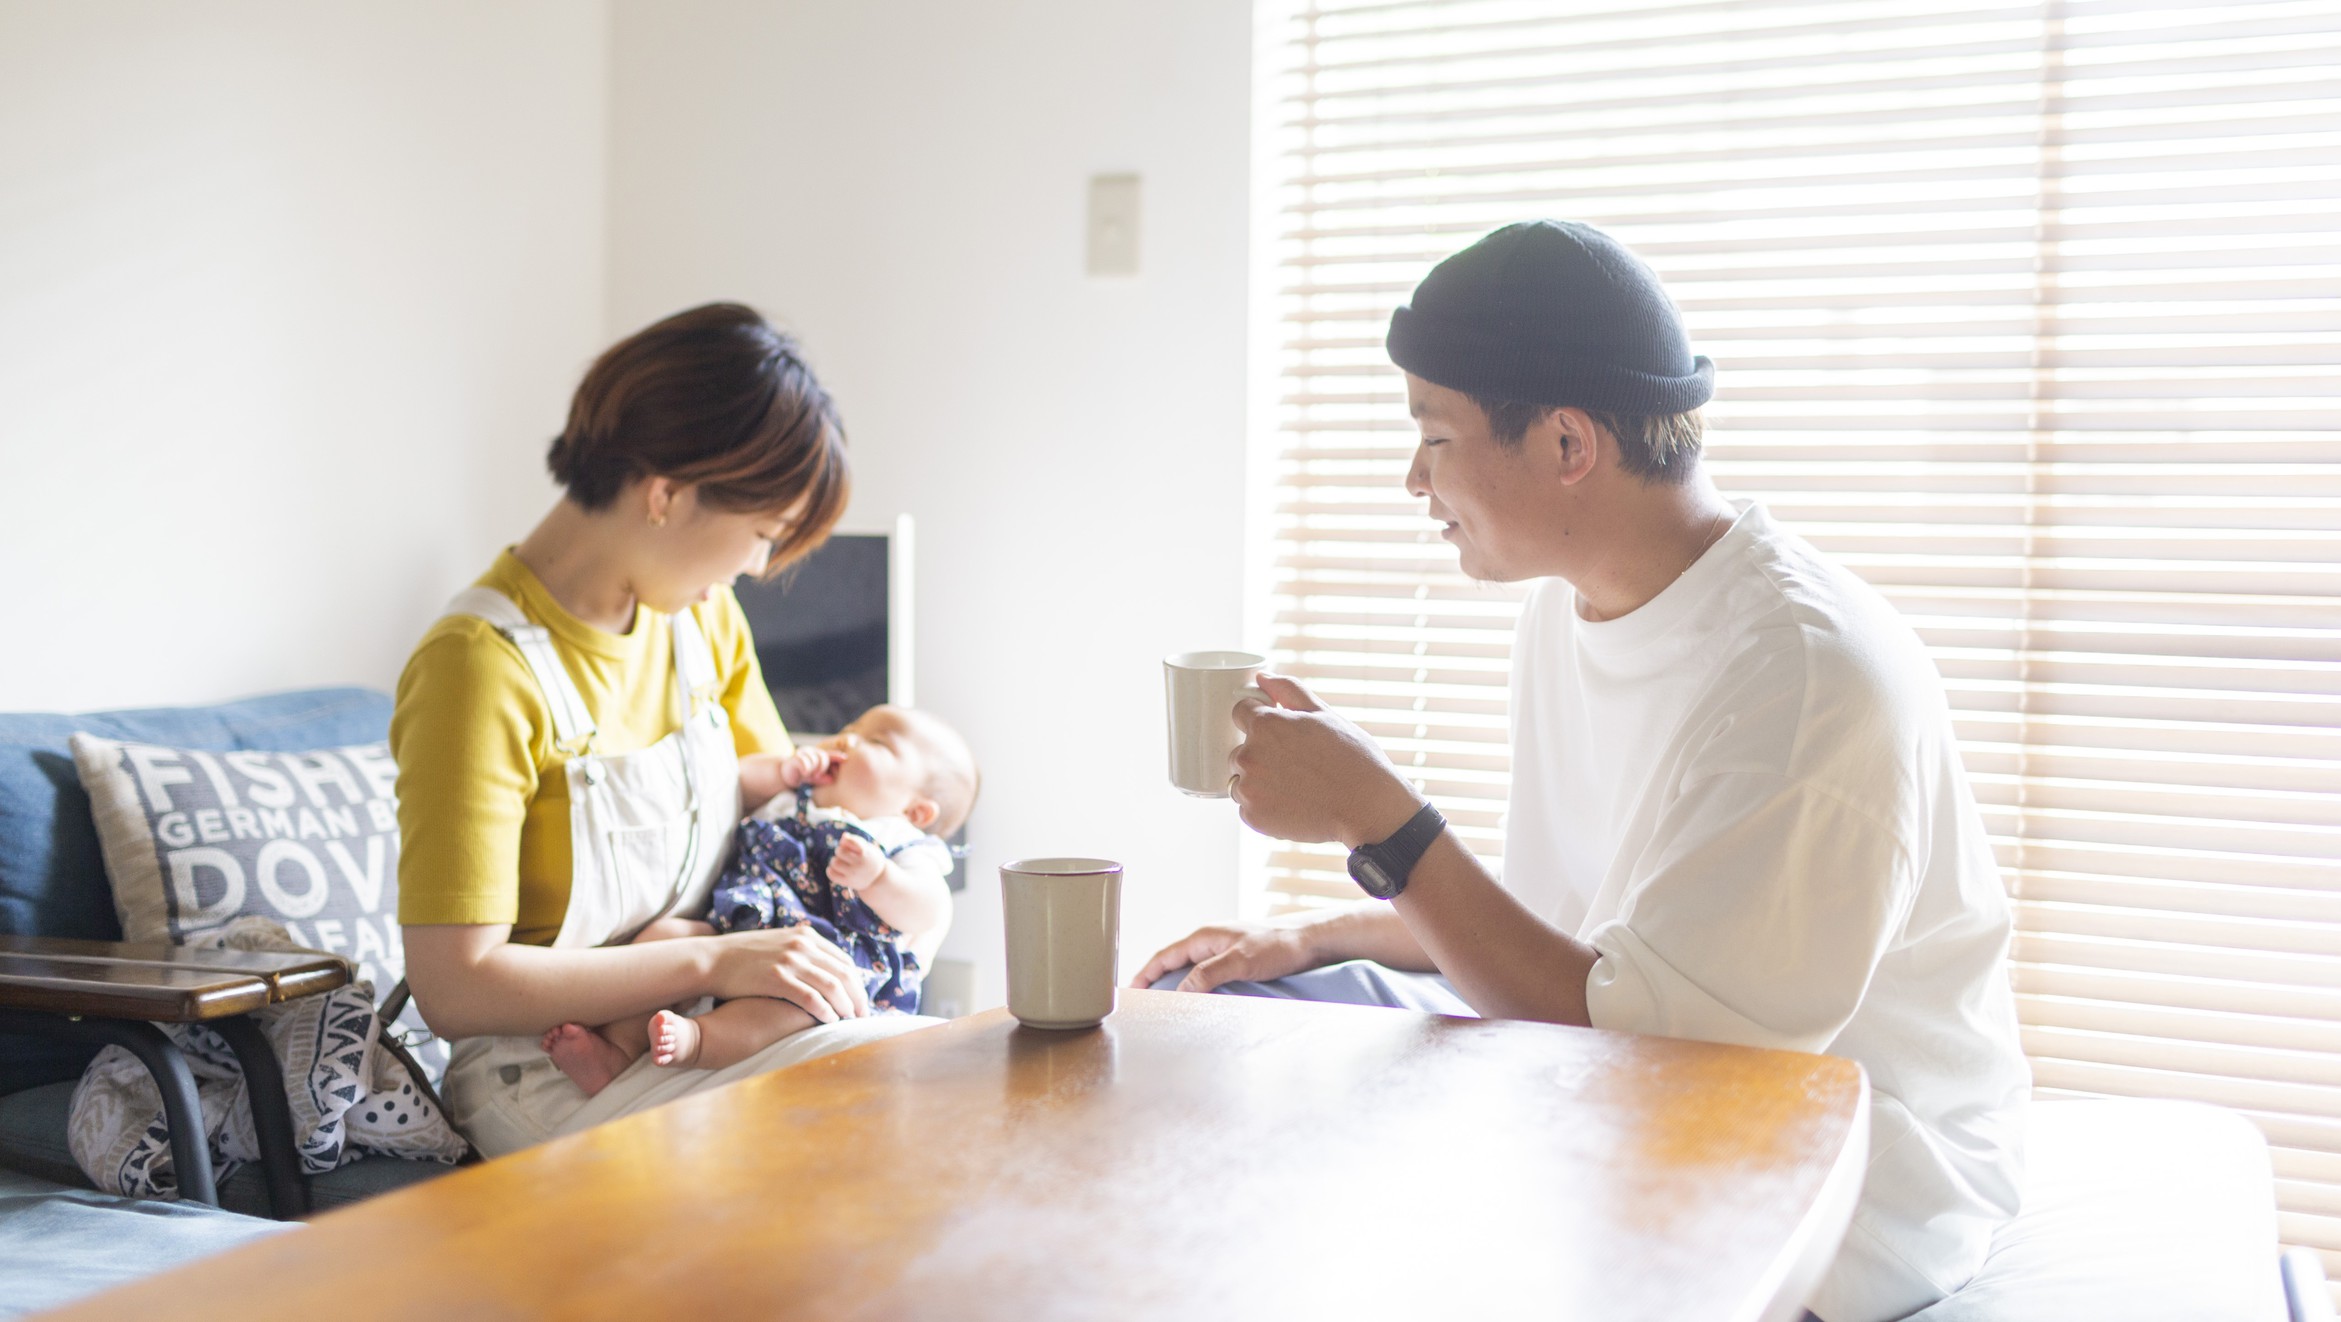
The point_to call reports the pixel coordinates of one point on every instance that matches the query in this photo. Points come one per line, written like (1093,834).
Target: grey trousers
(1358,982)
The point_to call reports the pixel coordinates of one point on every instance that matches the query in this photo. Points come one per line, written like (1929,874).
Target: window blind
(2030,313)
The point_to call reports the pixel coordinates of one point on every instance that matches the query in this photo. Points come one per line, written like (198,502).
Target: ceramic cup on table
(1200,691)
(1064,922)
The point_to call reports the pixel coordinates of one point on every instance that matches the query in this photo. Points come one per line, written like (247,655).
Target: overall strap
(572,722)
(695,667)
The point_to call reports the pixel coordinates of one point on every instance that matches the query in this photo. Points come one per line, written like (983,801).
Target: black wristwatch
(1381,870)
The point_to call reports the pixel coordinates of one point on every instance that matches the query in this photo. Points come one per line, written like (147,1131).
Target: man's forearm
(1366,931)
(1507,962)
(1306,773)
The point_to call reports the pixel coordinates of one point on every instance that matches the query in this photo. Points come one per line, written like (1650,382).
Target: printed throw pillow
(194,840)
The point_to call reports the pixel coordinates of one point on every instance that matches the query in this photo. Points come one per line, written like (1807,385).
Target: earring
(658,520)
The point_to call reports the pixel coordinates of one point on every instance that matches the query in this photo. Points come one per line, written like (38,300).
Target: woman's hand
(1231,952)
(1305,773)
(793,964)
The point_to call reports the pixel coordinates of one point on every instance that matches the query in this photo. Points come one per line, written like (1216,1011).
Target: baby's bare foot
(674,1040)
(589,1059)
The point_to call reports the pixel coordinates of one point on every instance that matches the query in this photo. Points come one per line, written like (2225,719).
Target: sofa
(59,1243)
(53,883)
(2142,1210)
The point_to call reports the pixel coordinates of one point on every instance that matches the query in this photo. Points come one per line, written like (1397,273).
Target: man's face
(1498,502)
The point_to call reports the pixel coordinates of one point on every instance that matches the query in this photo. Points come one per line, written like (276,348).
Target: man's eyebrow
(1414,409)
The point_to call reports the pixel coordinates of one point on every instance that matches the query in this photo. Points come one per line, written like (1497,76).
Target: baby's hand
(808,765)
(857,864)
(766,776)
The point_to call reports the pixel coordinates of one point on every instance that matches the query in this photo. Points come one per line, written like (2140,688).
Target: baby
(844,836)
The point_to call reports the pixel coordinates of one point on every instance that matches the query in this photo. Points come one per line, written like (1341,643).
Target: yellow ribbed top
(483,800)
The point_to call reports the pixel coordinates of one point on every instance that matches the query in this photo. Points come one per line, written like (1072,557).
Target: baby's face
(878,765)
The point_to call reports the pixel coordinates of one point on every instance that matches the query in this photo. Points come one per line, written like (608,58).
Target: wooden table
(1197,1157)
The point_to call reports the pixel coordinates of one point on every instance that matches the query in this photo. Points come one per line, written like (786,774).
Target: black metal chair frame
(272,1114)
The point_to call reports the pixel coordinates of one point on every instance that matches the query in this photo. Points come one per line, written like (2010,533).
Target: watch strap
(1397,855)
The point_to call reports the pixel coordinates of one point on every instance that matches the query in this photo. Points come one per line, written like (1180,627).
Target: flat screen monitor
(833,631)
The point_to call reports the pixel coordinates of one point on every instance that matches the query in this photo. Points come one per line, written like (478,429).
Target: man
(1737,809)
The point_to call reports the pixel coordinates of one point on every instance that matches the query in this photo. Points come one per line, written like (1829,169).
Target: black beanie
(1551,312)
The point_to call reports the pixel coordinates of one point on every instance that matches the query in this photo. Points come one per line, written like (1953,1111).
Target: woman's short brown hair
(717,399)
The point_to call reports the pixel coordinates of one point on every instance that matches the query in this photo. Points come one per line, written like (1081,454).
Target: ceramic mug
(1200,694)
(1064,923)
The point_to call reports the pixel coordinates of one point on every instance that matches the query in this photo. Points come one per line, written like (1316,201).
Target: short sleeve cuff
(456,910)
(925,854)
(1632,990)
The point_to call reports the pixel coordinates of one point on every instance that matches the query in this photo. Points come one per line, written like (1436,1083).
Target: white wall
(291,299)
(292,296)
(903,182)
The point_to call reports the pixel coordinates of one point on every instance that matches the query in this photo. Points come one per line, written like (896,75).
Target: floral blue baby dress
(781,879)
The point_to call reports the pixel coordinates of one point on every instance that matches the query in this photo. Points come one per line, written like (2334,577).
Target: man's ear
(922,813)
(1568,438)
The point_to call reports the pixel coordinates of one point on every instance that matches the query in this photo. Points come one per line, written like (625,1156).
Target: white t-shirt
(1747,798)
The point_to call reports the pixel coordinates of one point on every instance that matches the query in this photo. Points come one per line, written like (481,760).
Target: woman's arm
(473,979)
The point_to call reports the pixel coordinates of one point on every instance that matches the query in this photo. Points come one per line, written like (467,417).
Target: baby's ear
(922,813)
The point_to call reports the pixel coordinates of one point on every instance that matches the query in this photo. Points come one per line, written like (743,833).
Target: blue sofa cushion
(52,880)
(58,1244)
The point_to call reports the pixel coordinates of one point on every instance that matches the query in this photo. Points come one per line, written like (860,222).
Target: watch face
(1381,869)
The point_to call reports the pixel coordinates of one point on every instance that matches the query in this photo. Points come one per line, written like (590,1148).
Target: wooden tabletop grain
(1196,1157)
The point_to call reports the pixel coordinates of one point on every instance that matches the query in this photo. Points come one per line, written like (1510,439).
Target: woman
(569,735)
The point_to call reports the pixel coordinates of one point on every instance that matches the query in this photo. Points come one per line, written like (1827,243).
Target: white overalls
(649,831)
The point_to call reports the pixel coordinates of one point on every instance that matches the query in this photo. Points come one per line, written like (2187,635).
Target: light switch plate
(1113,224)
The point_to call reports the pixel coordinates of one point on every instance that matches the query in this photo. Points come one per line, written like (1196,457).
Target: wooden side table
(116,992)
